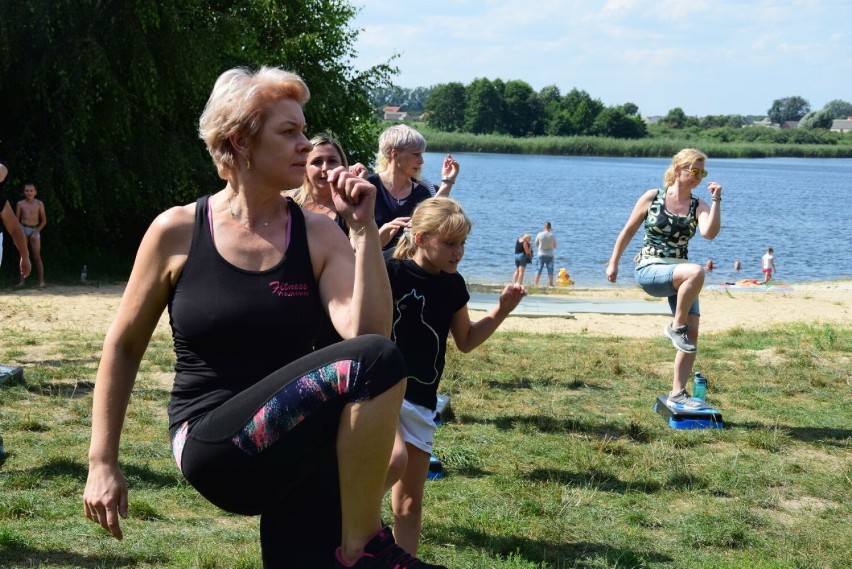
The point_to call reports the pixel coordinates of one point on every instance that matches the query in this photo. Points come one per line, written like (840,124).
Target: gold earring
(248,163)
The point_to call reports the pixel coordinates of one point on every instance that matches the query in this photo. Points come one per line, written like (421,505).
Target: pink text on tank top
(289,289)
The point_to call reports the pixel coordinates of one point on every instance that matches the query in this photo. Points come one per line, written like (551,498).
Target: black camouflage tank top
(667,235)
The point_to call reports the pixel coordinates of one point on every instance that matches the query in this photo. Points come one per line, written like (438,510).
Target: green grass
(554,459)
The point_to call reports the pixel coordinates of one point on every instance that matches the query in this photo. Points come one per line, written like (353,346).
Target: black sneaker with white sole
(382,552)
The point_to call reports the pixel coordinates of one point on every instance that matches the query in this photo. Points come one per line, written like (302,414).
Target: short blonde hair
(683,159)
(435,216)
(398,137)
(237,105)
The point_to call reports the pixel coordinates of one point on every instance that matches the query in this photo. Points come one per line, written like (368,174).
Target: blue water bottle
(699,388)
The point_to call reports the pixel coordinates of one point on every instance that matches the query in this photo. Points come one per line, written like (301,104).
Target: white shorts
(417,424)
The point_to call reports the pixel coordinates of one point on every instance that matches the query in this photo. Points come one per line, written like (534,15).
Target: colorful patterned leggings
(271,449)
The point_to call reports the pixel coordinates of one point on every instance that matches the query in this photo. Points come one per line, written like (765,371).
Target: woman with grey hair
(398,180)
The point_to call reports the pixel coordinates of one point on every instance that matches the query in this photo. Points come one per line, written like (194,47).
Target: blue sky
(708,57)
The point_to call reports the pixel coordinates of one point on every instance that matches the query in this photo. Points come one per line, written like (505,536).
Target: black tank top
(519,246)
(233,327)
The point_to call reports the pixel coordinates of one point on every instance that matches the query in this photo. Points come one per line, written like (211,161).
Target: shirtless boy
(32,218)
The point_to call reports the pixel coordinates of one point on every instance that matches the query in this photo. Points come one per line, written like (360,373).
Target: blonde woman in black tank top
(260,424)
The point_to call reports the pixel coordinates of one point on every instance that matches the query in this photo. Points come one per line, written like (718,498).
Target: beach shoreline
(722,309)
(91,308)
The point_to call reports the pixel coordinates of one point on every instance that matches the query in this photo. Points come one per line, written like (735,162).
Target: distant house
(763,122)
(841,125)
(790,124)
(394,114)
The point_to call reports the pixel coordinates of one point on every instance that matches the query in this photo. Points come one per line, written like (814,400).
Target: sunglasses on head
(697,173)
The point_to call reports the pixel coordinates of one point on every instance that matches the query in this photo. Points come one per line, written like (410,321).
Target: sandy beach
(721,310)
(91,309)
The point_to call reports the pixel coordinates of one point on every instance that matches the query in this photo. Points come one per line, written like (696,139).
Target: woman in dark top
(315,192)
(260,424)
(397,178)
(523,257)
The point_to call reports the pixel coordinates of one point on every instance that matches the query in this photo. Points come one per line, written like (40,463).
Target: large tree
(484,107)
(582,109)
(101,100)
(445,107)
(675,118)
(550,97)
(630,109)
(788,109)
(614,122)
(524,112)
(557,121)
(817,119)
(839,109)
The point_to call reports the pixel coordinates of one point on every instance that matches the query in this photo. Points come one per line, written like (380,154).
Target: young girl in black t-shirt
(429,301)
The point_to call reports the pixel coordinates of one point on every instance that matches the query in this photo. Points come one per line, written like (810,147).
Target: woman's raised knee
(688,272)
(385,365)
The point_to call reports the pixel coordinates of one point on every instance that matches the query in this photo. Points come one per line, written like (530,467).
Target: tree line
(514,108)
(487,106)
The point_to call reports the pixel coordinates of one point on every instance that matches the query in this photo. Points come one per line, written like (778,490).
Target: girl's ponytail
(435,216)
(405,247)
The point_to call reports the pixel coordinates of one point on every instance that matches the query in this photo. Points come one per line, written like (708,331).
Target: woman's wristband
(448,181)
(716,198)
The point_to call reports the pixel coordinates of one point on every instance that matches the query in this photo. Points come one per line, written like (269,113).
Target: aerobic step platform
(436,469)
(704,418)
(443,411)
(10,375)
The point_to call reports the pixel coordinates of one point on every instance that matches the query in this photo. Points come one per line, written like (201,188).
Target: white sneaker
(683,400)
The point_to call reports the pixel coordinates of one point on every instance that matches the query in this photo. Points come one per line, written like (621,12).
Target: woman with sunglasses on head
(671,215)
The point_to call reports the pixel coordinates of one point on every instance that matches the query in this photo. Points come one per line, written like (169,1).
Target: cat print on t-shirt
(419,341)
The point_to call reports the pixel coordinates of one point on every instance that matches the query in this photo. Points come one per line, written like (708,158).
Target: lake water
(798,206)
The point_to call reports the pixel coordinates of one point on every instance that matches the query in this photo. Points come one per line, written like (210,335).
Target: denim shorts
(656,280)
(545,261)
(521,260)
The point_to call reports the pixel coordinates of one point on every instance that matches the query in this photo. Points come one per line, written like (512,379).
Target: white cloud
(622,50)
